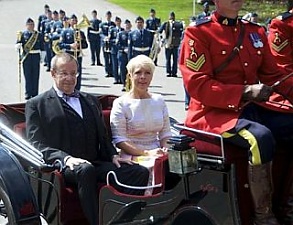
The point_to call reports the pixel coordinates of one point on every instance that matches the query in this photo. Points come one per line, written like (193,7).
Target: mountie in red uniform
(221,60)
(281,40)
(216,94)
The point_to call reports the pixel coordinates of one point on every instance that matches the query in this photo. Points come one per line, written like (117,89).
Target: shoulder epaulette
(203,21)
(284,16)
(250,22)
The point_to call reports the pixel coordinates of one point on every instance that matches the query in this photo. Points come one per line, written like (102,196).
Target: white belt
(34,51)
(141,49)
(94,32)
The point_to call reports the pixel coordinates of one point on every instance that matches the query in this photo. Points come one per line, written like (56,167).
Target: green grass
(184,8)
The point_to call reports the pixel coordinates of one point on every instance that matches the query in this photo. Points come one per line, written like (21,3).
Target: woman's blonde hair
(140,61)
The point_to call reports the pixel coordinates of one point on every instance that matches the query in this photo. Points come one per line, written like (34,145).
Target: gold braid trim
(30,44)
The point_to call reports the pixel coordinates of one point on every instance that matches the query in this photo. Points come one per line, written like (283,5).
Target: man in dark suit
(68,125)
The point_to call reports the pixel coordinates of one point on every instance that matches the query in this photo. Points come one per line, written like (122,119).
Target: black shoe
(45,64)
(108,75)
(116,82)
(99,64)
(169,75)
(186,107)
(123,89)
(156,64)
(174,75)
(92,64)
(48,70)
(27,97)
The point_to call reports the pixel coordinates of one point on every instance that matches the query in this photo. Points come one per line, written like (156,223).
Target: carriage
(213,191)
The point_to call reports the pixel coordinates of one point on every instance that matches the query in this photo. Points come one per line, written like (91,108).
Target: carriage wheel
(192,215)
(7,216)
(6,212)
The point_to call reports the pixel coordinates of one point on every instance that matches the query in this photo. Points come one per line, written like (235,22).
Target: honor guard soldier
(153,24)
(281,39)
(73,41)
(46,32)
(62,15)
(57,24)
(113,31)
(31,42)
(43,17)
(104,32)
(239,92)
(172,31)
(206,11)
(140,40)
(122,45)
(56,31)
(93,35)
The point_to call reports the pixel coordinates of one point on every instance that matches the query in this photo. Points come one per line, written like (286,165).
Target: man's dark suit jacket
(47,128)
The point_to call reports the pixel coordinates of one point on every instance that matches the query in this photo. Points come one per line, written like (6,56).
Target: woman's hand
(156,152)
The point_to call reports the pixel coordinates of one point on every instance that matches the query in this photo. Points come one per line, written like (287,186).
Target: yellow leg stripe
(256,159)
(227,135)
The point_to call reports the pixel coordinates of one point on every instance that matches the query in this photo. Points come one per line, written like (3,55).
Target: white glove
(17,46)
(43,55)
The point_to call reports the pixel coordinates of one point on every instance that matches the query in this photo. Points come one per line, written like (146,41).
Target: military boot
(260,182)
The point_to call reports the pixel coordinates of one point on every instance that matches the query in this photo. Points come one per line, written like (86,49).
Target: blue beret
(29,20)
(117,18)
(73,16)
(139,18)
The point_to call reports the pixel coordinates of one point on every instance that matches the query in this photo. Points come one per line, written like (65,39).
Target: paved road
(12,18)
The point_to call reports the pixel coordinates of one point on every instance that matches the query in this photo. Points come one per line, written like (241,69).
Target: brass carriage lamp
(182,158)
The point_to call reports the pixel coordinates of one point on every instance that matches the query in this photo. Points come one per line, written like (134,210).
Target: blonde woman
(139,119)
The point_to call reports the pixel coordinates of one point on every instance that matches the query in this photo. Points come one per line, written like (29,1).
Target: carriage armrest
(209,146)
(112,173)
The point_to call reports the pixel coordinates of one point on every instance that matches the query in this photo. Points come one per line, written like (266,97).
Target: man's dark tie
(141,34)
(75,94)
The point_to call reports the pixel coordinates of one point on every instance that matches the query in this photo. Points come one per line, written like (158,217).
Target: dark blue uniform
(113,31)
(173,32)
(93,35)
(31,62)
(104,28)
(139,42)
(46,31)
(153,24)
(122,45)
(68,38)
(56,26)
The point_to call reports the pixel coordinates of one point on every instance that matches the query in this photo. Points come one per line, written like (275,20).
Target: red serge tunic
(216,98)
(281,40)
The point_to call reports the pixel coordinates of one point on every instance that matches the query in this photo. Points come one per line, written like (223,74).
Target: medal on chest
(256,41)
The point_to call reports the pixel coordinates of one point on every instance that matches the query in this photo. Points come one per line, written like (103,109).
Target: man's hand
(257,92)
(72,161)
(117,160)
